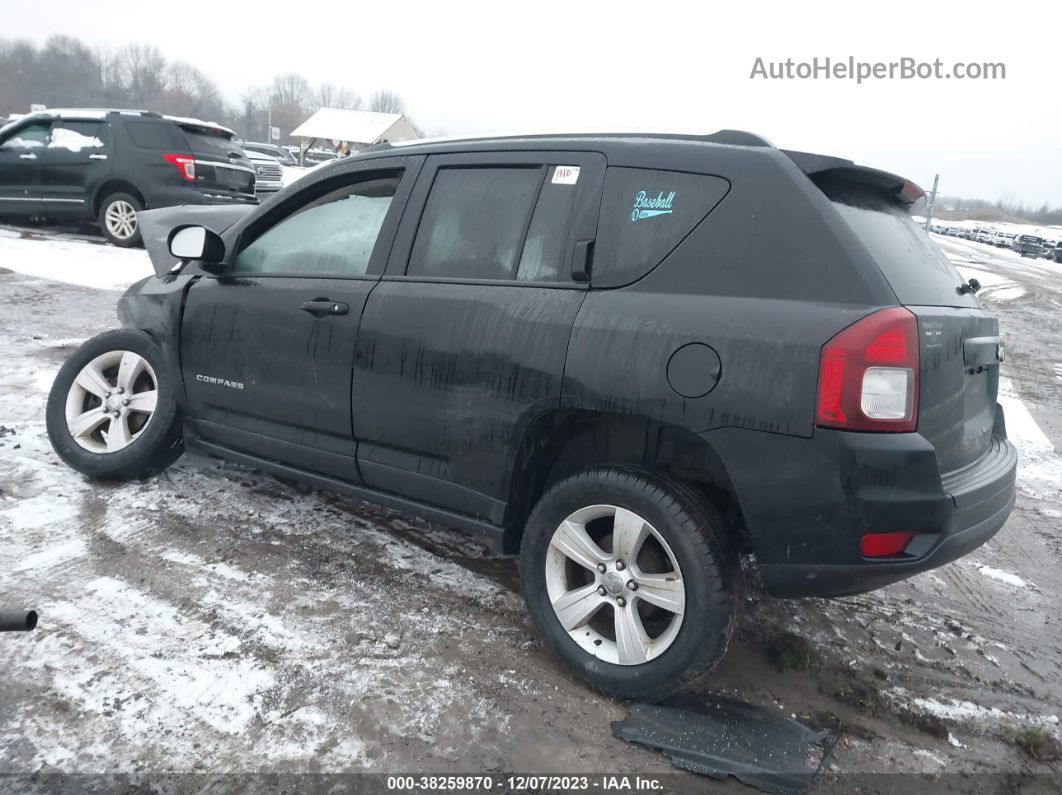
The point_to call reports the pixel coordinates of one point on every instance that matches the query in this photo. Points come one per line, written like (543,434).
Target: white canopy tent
(360,128)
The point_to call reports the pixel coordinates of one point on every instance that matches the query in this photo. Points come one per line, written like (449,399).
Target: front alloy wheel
(111,401)
(112,412)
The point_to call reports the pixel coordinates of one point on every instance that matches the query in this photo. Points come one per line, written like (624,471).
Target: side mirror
(198,243)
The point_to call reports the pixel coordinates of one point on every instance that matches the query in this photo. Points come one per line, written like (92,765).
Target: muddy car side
(628,359)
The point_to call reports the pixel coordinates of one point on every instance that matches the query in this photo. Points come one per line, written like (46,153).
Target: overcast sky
(497,66)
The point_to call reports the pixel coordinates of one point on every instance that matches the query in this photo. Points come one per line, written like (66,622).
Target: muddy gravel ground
(217,620)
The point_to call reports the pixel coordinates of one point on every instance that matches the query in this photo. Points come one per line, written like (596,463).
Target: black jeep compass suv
(628,359)
(106,165)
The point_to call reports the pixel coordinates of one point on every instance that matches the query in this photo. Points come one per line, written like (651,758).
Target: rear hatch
(221,167)
(959,345)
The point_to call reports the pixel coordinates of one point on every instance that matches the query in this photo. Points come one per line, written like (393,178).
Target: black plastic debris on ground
(723,737)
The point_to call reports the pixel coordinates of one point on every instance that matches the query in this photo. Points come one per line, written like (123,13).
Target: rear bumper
(806,523)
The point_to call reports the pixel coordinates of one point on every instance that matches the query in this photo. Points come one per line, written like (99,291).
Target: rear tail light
(185,165)
(885,545)
(868,375)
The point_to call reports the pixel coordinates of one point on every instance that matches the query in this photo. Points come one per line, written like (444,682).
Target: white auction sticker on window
(565,175)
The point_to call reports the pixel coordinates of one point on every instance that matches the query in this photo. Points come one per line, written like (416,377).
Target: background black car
(108,164)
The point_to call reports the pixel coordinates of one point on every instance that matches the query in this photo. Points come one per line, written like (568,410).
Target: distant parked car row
(1028,245)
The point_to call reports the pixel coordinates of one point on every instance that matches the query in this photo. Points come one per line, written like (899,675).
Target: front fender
(154,305)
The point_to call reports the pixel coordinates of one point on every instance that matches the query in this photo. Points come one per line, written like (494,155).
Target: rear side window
(645,214)
(474,222)
(155,135)
(917,270)
(332,236)
(78,135)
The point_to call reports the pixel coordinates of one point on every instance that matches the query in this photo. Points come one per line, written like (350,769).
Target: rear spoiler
(156,225)
(824,169)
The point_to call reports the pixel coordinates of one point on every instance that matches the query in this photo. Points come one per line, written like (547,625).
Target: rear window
(645,214)
(155,135)
(209,140)
(918,271)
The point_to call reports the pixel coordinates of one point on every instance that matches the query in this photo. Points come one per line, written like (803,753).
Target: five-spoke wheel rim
(111,401)
(615,585)
(120,219)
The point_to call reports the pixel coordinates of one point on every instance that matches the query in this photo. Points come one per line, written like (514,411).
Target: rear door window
(918,271)
(78,135)
(474,223)
(645,214)
(543,253)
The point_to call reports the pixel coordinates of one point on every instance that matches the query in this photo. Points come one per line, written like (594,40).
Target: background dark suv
(630,359)
(108,164)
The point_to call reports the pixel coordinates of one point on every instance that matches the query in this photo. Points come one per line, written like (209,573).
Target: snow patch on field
(1039,466)
(958,710)
(1003,576)
(72,260)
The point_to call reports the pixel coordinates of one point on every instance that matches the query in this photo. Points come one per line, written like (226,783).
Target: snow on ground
(1003,576)
(1039,466)
(74,259)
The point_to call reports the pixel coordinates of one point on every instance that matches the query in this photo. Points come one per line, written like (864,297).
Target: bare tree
(143,68)
(329,95)
(290,89)
(387,101)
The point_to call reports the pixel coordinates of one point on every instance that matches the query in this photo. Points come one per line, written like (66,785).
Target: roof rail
(737,138)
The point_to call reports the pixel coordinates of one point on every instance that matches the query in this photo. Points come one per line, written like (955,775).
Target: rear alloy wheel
(630,579)
(112,413)
(637,587)
(118,219)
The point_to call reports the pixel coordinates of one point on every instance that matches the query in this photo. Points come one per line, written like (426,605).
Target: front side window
(32,136)
(78,135)
(474,223)
(332,236)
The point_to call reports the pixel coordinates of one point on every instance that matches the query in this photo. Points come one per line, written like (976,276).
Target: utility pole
(932,201)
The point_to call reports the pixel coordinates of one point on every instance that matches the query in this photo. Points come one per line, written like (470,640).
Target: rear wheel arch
(562,443)
(109,188)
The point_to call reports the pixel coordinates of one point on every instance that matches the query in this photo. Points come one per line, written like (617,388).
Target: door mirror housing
(197,243)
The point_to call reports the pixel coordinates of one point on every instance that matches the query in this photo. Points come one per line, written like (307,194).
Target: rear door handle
(322,307)
(97,157)
(30,156)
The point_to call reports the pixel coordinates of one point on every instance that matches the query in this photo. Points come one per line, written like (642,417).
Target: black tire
(124,242)
(709,566)
(159,442)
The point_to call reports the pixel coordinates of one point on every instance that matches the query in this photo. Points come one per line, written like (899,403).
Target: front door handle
(30,156)
(97,157)
(322,307)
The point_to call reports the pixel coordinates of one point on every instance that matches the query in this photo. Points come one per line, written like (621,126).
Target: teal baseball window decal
(647,206)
